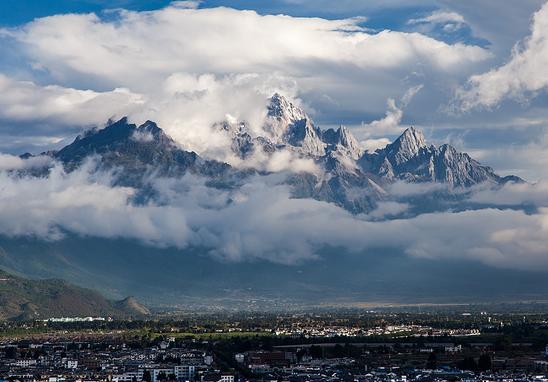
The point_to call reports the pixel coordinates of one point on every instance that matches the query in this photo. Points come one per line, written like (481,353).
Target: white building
(25,362)
(453,349)
(128,377)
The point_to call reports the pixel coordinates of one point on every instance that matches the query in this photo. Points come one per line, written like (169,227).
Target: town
(334,346)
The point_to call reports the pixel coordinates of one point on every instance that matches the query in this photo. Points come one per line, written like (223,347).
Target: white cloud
(187,68)
(28,102)
(187,106)
(139,47)
(186,4)
(286,160)
(439,17)
(84,204)
(260,220)
(391,123)
(514,194)
(523,76)
(374,144)
(388,209)
(11,162)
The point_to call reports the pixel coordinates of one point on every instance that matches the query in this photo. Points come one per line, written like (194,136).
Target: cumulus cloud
(390,124)
(28,102)
(138,47)
(373,144)
(401,188)
(83,203)
(388,209)
(188,4)
(514,194)
(187,107)
(176,63)
(523,76)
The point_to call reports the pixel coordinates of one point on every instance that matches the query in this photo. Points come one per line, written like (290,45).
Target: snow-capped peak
(289,124)
(342,140)
(407,145)
(349,142)
(282,109)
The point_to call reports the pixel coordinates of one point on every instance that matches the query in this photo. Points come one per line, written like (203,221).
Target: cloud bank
(138,47)
(261,220)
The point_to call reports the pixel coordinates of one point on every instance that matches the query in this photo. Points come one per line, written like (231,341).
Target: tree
(11,352)
(146,376)
(503,343)
(484,362)
(338,351)
(432,362)
(316,351)
(469,363)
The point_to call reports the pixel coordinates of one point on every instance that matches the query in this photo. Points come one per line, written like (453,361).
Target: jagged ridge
(351,178)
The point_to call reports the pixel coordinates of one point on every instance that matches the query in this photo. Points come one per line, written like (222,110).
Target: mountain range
(348,176)
(342,174)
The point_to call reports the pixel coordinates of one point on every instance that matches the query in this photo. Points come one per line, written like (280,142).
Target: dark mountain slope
(39,299)
(137,150)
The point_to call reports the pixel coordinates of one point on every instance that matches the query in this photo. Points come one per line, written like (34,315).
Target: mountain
(358,180)
(288,124)
(131,306)
(409,158)
(350,177)
(137,151)
(26,299)
(342,140)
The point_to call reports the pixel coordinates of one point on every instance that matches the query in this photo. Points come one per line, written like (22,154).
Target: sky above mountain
(467,72)
(374,66)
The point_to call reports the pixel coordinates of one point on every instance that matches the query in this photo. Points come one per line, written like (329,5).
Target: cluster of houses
(107,361)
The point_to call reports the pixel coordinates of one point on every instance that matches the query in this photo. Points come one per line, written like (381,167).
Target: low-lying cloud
(261,220)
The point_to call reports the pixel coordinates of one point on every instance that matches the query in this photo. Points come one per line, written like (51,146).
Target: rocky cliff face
(410,159)
(289,125)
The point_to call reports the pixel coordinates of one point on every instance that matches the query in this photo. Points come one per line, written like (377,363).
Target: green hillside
(26,299)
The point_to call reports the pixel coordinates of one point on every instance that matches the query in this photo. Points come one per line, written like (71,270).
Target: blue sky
(14,12)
